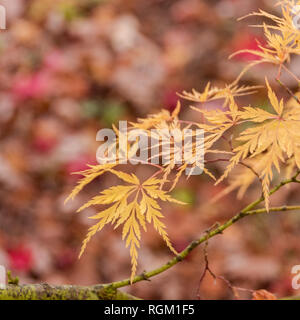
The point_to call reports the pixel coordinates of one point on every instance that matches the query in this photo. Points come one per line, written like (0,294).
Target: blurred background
(71,67)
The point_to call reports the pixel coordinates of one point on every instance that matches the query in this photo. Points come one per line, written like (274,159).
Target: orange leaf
(263,295)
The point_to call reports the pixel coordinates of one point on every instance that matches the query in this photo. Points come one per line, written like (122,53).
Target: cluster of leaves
(262,142)
(282,36)
(132,206)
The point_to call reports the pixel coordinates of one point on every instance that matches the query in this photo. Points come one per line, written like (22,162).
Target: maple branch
(66,292)
(247,211)
(110,291)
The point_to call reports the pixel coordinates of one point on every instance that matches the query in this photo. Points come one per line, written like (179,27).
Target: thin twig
(288,90)
(291,73)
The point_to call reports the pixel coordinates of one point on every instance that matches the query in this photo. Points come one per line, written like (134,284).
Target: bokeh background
(71,67)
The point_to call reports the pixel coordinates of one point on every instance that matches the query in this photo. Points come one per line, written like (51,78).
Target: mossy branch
(110,291)
(47,292)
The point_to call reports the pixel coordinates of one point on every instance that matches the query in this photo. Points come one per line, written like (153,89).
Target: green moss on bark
(47,292)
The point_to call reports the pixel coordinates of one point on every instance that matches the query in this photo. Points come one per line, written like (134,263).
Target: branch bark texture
(111,291)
